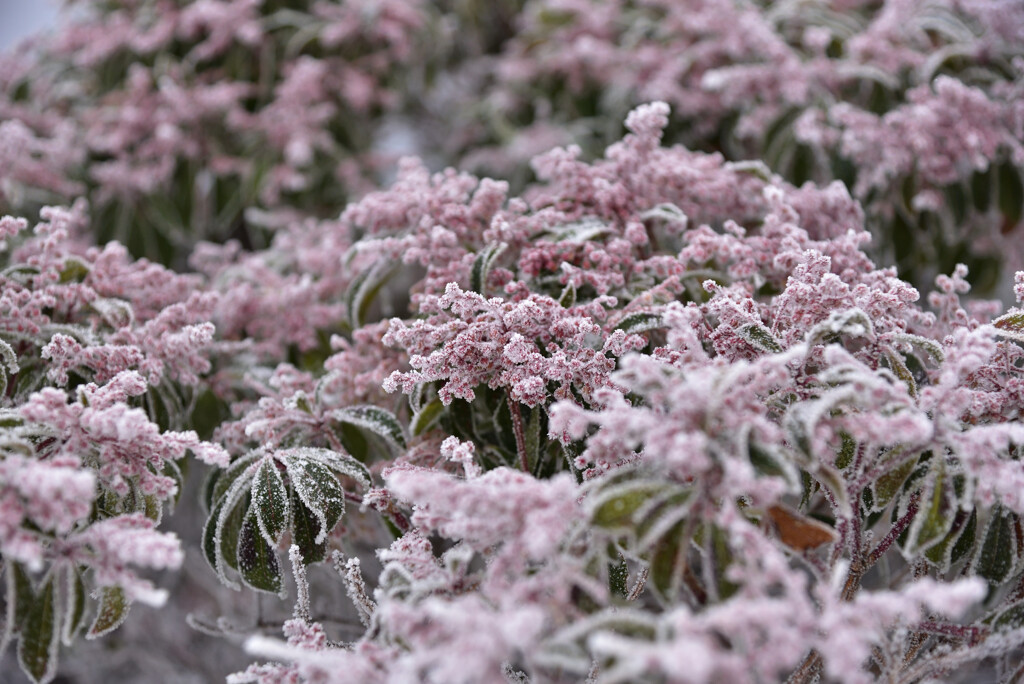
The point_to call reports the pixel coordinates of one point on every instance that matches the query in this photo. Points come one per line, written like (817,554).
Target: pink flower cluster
(634,412)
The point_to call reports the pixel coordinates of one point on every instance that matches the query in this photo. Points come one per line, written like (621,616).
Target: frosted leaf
(482,267)
(585,230)
(257,559)
(339,462)
(227,478)
(640,322)
(112,611)
(270,501)
(74,609)
(8,357)
(37,643)
(374,419)
(320,490)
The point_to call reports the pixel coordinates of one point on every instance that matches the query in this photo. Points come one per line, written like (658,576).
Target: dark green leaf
(208,486)
(886,486)
(229,528)
(614,507)
(257,560)
(21,591)
(364,289)
(1011,325)
(305,528)
(668,562)
(376,420)
(1010,618)
(320,490)
(935,515)
(640,322)
(618,577)
(112,611)
(759,337)
(37,645)
(425,417)
(846,451)
(74,616)
(1011,193)
(341,463)
(899,368)
(965,540)
(584,230)
(230,475)
(482,267)
(568,296)
(270,501)
(998,552)
(944,554)
(75,270)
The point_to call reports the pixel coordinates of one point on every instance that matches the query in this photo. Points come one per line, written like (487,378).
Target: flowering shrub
(914,105)
(657,415)
(176,117)
(101,358)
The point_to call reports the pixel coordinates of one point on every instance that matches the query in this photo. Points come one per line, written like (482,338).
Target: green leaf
(75,270)
(341,463)
(899,368)
(618,577)
(1010,618)
(482,266)
(1011,325)
(9,359)
(74,615)
(981,189)
(668,563)
(210,535)
(112,611)
(640,322)
(584,230)
(425,417)
(229,476)
(954,545)
(1011,193)
(759,337)
(21,591)
(667,212)
(375,419)
(965,540)
(568,297)
(849,323)
(720,557)
(171,469)
(208,487)
(754,167)
(886,486)
(305,528)
(846,451)
(270,501)
(769,460)
(615,506)
(37,645)
(320,490)
(220,534)
(364,289)
(935,515)
(998,552)
(229,528)
(257,560)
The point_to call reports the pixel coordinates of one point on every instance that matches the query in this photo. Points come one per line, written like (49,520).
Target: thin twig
(517,429)
(895,531)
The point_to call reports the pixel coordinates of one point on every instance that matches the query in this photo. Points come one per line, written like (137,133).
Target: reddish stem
(517,429)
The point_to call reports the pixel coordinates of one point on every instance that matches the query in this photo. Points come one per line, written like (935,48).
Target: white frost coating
(317,498)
